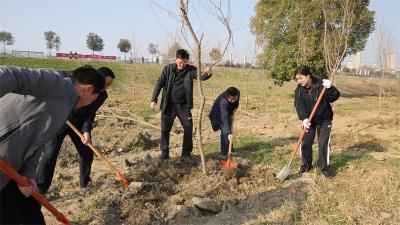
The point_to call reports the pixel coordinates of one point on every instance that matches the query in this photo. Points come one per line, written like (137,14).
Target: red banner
(80,56)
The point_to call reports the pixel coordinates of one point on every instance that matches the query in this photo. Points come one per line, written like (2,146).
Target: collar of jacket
(74,96)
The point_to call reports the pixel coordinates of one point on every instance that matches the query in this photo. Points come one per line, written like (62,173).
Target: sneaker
(326,174)
(188,159)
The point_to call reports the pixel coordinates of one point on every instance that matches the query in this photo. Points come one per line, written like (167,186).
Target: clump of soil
(145,141)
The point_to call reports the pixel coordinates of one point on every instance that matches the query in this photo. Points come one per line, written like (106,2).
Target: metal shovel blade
(284,173)
(227,164)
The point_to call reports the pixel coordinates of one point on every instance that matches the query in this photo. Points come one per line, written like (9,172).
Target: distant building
(163,59)
(390,61)
(356,61)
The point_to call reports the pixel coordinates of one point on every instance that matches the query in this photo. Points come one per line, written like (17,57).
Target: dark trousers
(323,130)
(224,144)
(167,120)
(15,208)
(47,164)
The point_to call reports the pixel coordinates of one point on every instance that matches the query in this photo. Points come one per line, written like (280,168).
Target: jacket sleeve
(29,167)
(159,85)
(225,118)
(300,106)
(203,76)
(24,81)
(88,122)
(332,94)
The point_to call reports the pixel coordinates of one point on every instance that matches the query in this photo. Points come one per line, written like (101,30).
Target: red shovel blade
(228,164)
(123,179)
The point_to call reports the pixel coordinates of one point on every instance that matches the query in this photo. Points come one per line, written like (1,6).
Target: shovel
(285,172)
(98,154)
(228,163)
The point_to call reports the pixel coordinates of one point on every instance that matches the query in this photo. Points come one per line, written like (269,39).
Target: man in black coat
(221,116)
(176,80)
(306,95)
(83,119)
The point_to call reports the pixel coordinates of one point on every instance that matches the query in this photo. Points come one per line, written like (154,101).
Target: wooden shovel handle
(98,154)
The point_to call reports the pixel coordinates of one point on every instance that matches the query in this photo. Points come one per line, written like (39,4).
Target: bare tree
(337,30)
(384,46)
(214,8)
(397,101)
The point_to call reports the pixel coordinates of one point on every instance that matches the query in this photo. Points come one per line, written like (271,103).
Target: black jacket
(83,117)
(166,80)
(221,113)
(305,102)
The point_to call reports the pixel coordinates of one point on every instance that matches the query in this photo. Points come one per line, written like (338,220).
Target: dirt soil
(163,190)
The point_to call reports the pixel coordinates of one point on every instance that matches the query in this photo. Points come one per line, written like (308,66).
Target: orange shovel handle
(14,175)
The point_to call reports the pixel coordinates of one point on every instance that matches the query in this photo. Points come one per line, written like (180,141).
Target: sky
(150,21)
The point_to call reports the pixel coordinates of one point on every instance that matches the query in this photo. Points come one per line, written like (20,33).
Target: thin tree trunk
(200,117)
(398,101)
(202,98)
(381,93)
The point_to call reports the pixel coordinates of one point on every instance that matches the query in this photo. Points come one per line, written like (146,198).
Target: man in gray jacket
(34,105)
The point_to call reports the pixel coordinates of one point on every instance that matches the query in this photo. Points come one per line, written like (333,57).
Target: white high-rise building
(390,61)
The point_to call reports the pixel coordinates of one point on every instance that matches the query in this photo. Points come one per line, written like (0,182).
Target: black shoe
(223,156)
(326,174)
(188,159)
(164,156)
(304,170)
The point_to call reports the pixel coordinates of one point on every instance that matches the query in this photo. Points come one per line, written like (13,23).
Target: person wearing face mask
(221,115)
(176,81)
(306,94)
(83,119)
(34,105)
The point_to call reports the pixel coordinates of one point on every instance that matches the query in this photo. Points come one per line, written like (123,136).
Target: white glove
(327,83)
(306,124)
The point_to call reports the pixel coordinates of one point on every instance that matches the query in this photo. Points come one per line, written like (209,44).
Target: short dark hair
(303,70)
(182,54)
(106,72)
(232,91)
(88,75)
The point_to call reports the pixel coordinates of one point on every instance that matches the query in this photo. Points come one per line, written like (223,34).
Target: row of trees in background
(96,44)
(53,41)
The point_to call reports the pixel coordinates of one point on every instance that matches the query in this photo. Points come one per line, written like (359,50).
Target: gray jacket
(34,105)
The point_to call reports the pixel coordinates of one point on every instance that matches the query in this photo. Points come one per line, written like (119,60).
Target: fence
(28,54)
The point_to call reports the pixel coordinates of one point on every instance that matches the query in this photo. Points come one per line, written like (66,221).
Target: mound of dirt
(145,141)
(167,189)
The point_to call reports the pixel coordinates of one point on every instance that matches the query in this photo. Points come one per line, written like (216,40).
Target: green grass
(61,64)
(354,106)
(257,150)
